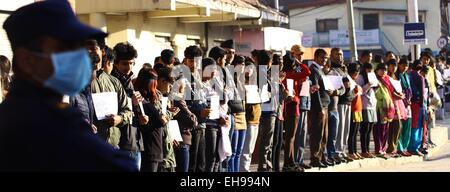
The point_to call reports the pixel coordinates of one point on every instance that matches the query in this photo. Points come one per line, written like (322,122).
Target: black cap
(227,44)
(54,18)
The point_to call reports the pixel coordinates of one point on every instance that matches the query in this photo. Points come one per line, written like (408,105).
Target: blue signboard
(414,33)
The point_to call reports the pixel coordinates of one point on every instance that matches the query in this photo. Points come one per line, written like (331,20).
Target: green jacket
(168,151)
(107,83)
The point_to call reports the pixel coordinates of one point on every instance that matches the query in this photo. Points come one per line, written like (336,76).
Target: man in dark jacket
(319,111)
(46,36)
(130,136)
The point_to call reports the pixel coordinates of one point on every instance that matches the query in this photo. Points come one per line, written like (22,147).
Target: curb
(439,135)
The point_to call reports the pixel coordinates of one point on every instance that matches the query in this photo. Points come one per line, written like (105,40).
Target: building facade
(154,25)
(378,23)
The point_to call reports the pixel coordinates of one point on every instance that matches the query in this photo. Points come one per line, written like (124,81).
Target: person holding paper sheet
(152,130)
(319,111)
(427,60)
(419,105)
(130,136)
(108,128)
(395,126)
(198,105)
(238,130)
(213,126)
(369,103)
(296,57)
(234,78)
(299,73)
(164,85)
(337,115)
(385,111)
(405,134)
(252,114)
(38,132)
(187,121)
(357,118)
(278,131)
(268,114)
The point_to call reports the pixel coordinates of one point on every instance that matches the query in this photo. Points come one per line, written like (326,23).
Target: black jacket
(319,99)
(39,133)
(130,136)
(83,102)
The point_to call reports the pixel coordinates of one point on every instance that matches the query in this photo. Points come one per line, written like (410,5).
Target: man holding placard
(295,74)
(130,136)
(319,110)
(337,71)
(108,128)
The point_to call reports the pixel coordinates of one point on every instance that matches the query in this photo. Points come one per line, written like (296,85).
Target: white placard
(290,86)
(327,83)
(215,107)
(352,82)
(265,94)
(252,94)
(66,99)
(336,81)
(446,73)
(397,85)
(372,79)
(142,108)
(305,89)
(105,104)
(164,102)
(174,130)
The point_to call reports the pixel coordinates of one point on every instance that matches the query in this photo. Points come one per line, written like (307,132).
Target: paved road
(440,162)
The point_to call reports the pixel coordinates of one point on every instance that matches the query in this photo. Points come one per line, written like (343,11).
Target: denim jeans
(197,151)
(277,145)
(136,156)
(300,138)
(211,154)
(333,122)
(182,158)
(237,144)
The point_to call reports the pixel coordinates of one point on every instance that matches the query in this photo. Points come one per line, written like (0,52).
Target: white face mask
(72,71)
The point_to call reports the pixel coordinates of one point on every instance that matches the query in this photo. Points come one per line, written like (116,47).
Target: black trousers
(354,128)
(197,151)
(318,134)
(277,144)
(366,129)
(212,135)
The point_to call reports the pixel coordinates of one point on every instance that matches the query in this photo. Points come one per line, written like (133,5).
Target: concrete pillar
(98,20)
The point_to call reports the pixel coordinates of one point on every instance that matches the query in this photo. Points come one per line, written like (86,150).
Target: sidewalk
(440,135)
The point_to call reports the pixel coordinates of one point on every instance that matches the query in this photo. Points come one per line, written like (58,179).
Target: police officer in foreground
(37,131)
